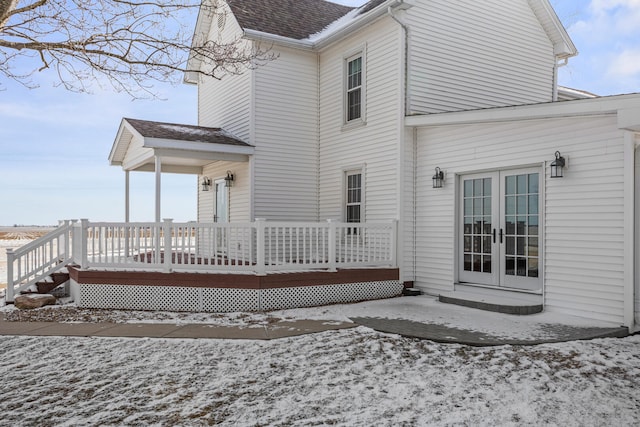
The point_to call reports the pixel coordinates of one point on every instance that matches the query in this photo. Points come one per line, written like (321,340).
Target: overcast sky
(54,144)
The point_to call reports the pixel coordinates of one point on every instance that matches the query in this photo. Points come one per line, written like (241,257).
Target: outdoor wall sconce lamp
(229,179)
(557,166)
(438,178)
(206,183)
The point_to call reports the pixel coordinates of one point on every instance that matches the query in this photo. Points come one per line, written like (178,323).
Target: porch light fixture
(557,166)
(438,178)
(206,183)
(229,179)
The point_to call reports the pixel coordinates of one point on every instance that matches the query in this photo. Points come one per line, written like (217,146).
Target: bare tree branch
(129,44)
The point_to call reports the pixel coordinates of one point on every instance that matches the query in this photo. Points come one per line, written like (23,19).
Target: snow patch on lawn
(353,377)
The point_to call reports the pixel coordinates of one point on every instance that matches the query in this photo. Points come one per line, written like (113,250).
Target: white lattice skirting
(225,300)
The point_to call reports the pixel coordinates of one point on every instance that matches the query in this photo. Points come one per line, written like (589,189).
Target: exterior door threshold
(498,301)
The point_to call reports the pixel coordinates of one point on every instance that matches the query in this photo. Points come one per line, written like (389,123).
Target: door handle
(501,234)
(494,235)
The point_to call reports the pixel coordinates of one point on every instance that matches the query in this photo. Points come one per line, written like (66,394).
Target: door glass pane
(468,188)
(477,225)
(510,182)
(509,267)
(521,207)
(487,187)
(533,183)
(533,267)
(522,184)
(521,199)
(521,266)
(510,205)
(510,222)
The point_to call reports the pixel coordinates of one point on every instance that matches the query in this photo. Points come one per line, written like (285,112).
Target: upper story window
(354,89)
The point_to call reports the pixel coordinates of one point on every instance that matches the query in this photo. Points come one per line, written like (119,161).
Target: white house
(364,107)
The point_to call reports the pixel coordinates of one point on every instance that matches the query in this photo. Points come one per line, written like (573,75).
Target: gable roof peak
(295,19)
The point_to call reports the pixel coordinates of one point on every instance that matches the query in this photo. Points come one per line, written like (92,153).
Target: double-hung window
(354,89)
(353,196)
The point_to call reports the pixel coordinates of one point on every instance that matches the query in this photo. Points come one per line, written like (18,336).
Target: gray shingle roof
(190,133)
(296,19)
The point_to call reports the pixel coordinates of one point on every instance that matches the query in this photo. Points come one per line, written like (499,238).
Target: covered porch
(158,147)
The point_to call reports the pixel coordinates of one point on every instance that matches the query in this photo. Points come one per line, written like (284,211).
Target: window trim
(350,56)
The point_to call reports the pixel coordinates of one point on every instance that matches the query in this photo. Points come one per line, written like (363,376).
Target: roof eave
(203,26)
(197,146)
(580,107)
(359,22)
(120,139)
(563,47)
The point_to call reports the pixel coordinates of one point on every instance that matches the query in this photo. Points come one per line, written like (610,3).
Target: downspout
(318,136)
(557,65)
(401,263)
(405,29)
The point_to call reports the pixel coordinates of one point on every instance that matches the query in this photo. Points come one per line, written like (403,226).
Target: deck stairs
(54,284)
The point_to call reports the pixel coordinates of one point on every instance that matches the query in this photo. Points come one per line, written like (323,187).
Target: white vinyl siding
(377,143)
(583,212)
(239,210)
(226,102)
(471,54)
(286,137)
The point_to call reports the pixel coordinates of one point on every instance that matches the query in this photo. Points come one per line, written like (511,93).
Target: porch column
(126,196)
(158,169)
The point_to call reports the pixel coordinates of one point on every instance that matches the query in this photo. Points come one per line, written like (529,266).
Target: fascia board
(203,26)
(260,36)
(124,125)
(564,47)
(581,107)
(116,143)
(197,146)
(209,156)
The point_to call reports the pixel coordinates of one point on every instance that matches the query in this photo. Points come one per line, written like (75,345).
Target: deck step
(498,304)
(411,292)
(53,281)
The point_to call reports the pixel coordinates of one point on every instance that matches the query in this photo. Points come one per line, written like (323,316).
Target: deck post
(10,285)
(332,245)
(84,238)
(394,243)
(260,242)
(168,249)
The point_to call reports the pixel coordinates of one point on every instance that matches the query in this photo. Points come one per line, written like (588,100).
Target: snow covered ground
(353,377)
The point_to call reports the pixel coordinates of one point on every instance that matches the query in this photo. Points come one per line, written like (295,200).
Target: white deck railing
(38,259)
(258,247)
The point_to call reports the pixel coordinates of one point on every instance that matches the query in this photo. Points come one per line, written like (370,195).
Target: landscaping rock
(31,301)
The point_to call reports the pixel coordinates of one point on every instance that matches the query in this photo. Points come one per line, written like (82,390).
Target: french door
(499,229)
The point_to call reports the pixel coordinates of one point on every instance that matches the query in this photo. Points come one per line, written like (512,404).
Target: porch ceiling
(181,148)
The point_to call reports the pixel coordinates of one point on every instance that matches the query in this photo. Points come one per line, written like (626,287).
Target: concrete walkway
(165,330)
(453,335)
(420,317)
